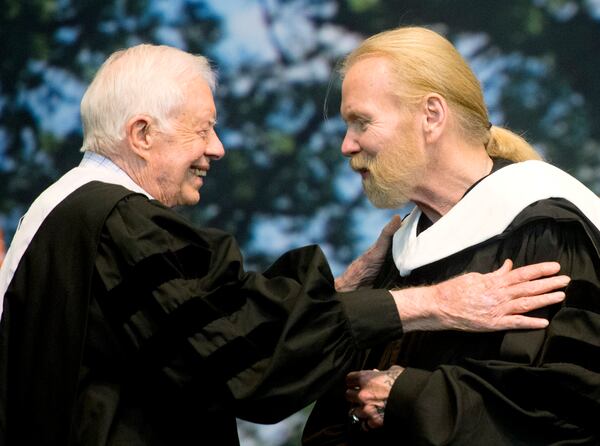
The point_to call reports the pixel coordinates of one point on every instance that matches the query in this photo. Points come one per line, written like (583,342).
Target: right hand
(368,392)
(484,302)
(365,268)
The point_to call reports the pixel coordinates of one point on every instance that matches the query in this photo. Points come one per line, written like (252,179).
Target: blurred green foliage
(539,62)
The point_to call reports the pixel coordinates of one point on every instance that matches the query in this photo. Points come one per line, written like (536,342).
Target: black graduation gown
(530,387)
(123,324)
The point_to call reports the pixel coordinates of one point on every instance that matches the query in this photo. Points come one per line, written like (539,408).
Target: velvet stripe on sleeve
(191,317)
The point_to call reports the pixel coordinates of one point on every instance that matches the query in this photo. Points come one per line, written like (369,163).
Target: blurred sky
(245,38)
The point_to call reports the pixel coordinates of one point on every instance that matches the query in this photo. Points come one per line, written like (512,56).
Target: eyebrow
(352,115)
(212,121)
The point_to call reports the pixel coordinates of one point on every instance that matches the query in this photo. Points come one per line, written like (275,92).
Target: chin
(191,200)
(389,204)
(382,200)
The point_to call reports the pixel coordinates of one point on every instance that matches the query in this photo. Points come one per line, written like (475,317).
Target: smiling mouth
(198,172)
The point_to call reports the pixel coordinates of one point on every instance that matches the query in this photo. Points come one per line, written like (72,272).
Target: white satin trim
(486,211)
(44,204)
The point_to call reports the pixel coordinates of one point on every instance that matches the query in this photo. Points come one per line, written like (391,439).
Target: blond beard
(392,177)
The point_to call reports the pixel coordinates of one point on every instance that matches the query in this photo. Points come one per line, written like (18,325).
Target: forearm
(482,302)
(416,307)
(373,316)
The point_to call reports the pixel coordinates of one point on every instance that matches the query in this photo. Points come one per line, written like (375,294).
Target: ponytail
(506,144)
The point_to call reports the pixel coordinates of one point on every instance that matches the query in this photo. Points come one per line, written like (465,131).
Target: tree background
(283,182)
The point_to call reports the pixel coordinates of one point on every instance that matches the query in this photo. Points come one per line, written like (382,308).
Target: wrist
(357,275)
(417,308)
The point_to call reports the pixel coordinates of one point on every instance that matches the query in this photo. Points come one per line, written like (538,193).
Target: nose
(350,145)
(215,149)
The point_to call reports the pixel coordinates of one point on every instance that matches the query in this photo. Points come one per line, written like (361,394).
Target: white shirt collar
(97,161)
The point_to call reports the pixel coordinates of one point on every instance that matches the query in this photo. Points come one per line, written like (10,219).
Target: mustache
(361,162)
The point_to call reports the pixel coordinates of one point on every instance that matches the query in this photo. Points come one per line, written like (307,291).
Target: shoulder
(139,228)
(138,213)
(555,213)
(548,198)
(552,229)
(93,199)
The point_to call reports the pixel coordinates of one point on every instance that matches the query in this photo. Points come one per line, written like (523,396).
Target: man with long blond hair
(419,131)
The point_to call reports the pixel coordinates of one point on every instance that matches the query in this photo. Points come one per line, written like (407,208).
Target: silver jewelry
(354,419)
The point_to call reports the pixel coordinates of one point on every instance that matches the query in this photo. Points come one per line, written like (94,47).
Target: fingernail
(560,295)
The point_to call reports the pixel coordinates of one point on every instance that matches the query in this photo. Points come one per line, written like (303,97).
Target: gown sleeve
(542,388)
(190,317)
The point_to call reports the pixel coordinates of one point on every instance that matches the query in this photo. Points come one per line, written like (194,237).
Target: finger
(352,396)
(517,322)
(375,423)
(353,379)
(504,269)
(527,304)
(360,412)
(392,226)
(539,286)
(373,418)
(531,272)
(385,236)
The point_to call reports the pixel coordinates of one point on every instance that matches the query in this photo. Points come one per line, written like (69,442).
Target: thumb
(392,226)
(505,268)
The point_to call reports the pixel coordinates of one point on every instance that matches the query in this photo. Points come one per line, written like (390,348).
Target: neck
(135,167)
(448,178)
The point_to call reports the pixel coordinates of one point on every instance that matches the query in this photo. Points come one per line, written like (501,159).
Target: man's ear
(435,116)
(139,135)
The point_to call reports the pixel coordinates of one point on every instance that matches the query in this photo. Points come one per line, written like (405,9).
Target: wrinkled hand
(496,301)
(368,391)
(365,268)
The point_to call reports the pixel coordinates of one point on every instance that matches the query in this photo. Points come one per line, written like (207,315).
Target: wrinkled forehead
(199,99)
(196,111)
(367,80)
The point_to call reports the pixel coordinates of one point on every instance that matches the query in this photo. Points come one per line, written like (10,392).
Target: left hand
(368,391)
(363,270)
(483,302)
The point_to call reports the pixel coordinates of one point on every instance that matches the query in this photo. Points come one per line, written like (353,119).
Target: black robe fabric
(527,387)
(125,325)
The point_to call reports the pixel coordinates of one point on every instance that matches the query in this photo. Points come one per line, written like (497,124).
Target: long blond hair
(424,62)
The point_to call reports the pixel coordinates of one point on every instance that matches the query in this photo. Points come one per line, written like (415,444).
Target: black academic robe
(124,324)
(526,387)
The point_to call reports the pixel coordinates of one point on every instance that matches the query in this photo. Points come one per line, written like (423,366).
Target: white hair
(144,79)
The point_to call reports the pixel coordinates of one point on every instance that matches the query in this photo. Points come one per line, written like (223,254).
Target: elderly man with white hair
(125,324)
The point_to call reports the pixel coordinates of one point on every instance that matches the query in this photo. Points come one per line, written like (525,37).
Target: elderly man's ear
(139,135)
(435,115)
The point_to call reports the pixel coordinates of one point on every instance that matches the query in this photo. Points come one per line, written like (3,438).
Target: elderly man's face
(381,139)
(182,154)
